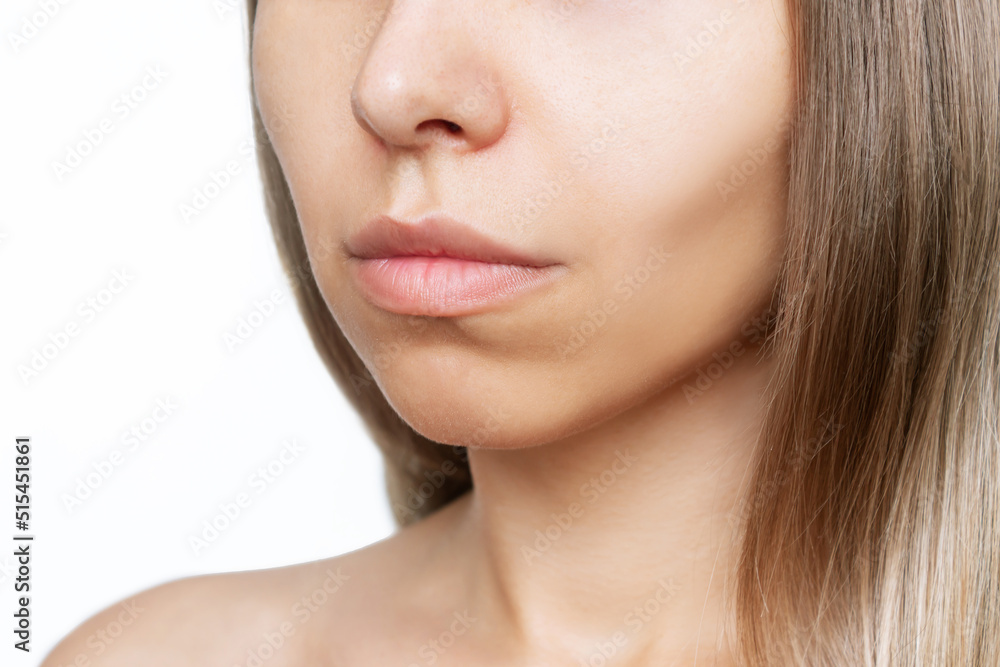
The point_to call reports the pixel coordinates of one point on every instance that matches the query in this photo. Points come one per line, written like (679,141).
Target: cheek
(683,212)
(697,171)
(303,99)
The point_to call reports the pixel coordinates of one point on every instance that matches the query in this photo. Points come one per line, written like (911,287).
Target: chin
(462,399)
(454,399)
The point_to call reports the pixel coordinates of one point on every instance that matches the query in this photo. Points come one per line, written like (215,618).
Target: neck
(617,539)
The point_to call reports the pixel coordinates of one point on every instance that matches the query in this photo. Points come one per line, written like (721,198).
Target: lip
(439,267)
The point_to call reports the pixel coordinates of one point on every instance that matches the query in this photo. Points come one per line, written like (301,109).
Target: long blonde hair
(871,533)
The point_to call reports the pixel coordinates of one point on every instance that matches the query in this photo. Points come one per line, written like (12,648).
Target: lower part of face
(640,144)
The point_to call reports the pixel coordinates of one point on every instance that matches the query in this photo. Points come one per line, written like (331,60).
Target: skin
(652,108)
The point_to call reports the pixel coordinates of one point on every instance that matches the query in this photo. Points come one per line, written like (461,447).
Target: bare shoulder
(239,618)
(307,613)
(201,620)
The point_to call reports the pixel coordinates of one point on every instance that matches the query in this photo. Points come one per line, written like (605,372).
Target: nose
(428,78)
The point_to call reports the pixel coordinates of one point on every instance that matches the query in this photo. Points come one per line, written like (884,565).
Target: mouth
(439,267)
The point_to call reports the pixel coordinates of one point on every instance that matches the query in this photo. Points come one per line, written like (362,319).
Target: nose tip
(418,86)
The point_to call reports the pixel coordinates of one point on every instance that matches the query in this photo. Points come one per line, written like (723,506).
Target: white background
(163,335)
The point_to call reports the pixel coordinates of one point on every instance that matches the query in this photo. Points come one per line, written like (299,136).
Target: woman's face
(635,147)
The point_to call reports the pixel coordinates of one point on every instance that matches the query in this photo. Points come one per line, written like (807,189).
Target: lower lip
(444,286)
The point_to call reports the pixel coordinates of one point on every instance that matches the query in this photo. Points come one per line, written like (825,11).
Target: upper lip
(434,235)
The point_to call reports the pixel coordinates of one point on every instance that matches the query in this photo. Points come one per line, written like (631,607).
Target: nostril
(452,128)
